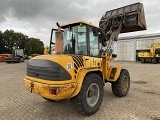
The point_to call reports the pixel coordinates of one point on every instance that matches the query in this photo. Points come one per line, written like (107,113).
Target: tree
(2,44)
(35,46)
(10,39)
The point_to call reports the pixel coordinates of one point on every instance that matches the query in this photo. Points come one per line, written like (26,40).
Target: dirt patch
(151,92)
(155,118)
(139,82)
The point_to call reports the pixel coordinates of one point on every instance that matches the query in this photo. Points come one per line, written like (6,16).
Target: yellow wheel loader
(152,55)
(80,66)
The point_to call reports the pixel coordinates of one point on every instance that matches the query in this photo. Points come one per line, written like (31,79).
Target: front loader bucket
(131,16)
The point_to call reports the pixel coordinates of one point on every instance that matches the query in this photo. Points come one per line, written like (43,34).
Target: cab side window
(93,37)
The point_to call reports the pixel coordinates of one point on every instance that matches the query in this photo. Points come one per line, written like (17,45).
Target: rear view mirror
(114,55)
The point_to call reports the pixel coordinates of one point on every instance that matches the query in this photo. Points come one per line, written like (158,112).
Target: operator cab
(157,51)
(80,38)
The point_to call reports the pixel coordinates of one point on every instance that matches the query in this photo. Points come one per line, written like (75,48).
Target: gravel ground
(142,102)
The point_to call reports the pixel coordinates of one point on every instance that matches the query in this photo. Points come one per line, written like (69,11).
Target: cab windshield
(81,40)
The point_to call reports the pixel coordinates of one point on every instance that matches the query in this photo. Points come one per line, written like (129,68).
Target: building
(127,48)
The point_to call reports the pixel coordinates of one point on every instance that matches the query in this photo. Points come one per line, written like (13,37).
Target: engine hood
(50,67)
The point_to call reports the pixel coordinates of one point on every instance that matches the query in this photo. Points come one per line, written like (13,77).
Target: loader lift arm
(113,37)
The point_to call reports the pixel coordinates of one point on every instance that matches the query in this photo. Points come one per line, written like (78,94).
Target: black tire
(154,61)
(19,61)
(90,97)
(121,87)
(143,60)
(22,59)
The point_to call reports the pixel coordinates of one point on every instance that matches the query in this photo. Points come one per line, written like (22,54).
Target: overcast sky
(36,18)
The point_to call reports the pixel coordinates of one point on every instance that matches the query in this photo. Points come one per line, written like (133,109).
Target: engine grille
(48,70)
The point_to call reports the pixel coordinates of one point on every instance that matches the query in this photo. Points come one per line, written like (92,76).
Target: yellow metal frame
(150,54)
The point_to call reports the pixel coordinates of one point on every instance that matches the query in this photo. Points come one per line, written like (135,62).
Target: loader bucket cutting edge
(132,15)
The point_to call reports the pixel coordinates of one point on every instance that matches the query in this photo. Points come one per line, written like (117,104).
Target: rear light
(53,91)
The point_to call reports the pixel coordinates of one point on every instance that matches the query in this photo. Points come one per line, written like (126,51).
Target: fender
(114,73)
(82,73)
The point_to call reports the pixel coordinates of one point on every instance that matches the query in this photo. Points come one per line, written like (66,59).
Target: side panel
(87,61)
(113,73)
(91,62)
(95,62)
(144,55)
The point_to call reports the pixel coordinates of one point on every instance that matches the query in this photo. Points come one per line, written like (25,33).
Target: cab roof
(77,23)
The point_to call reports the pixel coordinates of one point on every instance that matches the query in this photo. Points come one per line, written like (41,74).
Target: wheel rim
(92,94)
(125,83)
